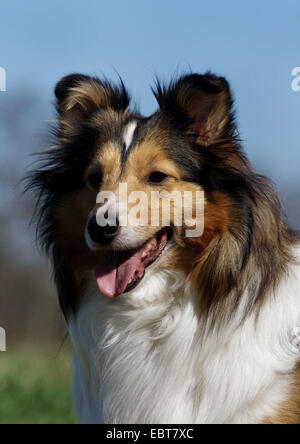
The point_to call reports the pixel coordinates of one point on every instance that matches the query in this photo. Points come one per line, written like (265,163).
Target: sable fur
(246,245)
(257,234)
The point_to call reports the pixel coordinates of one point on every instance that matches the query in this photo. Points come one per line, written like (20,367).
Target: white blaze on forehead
(129,133)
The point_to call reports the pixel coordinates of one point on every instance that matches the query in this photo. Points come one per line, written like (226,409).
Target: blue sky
(254,43)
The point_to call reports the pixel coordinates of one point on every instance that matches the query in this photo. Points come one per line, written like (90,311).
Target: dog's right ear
(79,95)
(64,86)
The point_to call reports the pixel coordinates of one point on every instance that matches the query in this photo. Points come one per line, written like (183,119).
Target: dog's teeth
(151,244)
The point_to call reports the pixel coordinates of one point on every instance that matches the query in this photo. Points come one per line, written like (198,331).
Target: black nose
(102,235)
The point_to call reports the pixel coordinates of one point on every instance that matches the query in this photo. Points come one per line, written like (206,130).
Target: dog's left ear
(199,105)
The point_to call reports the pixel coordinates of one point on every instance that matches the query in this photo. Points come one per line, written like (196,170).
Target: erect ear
(199,105)
(78,95)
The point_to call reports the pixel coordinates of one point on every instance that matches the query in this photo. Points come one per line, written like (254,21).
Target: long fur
(150,360)
(207,337)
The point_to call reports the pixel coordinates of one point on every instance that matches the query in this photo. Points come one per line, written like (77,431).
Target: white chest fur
(147,358)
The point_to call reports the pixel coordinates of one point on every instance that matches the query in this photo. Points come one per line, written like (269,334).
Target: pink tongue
(114,273)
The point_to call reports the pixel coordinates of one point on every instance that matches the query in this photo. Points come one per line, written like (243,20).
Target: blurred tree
(28,306)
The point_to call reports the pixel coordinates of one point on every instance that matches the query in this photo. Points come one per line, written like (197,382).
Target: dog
(168,328)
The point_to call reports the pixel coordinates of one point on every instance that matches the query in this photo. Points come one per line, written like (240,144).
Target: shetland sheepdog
(169,328)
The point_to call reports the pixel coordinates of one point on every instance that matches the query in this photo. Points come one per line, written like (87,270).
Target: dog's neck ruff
(147,357)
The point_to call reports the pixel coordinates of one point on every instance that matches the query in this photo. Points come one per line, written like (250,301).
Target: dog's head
(122,193)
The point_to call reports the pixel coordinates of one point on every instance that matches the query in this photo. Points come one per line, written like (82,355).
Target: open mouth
(120,272)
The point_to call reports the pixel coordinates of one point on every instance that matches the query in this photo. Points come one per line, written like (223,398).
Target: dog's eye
(95,180)
(157,177)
